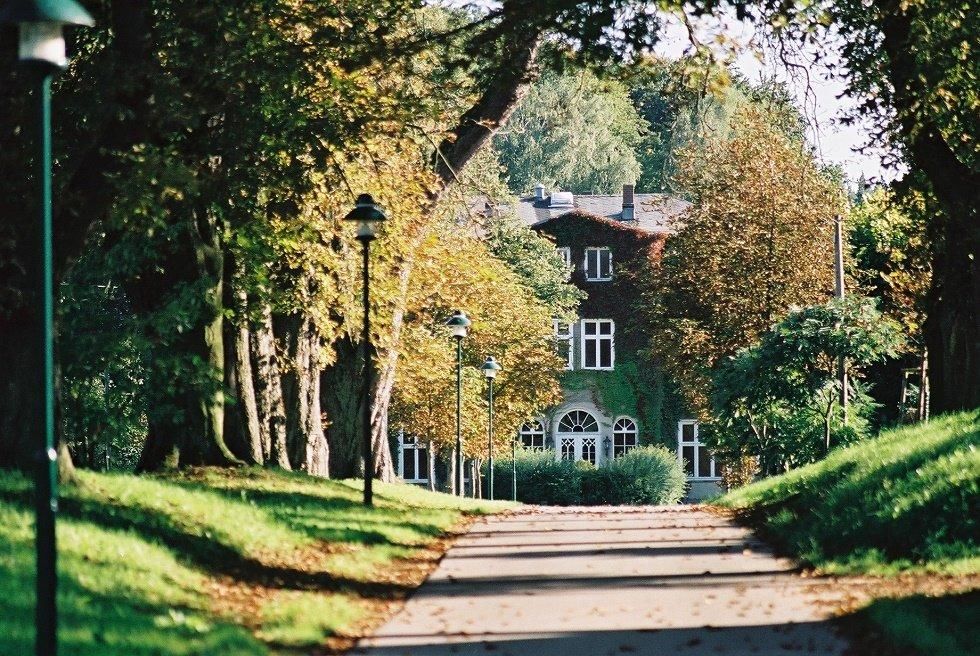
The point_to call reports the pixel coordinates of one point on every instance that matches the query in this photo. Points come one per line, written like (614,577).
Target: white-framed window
(578,421)
(566,256)
(598,344)
(564,342)
(598,264)
(693,455)
(413,460)
(624,436)
(532,435)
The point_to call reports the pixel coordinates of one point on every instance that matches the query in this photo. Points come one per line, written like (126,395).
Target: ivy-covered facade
(615,395)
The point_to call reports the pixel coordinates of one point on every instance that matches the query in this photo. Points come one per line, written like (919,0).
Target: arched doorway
(577,437)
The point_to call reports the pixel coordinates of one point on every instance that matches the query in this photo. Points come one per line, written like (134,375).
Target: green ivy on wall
(635,389)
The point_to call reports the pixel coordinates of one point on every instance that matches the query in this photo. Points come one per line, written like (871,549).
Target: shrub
(541,479)
(646,475)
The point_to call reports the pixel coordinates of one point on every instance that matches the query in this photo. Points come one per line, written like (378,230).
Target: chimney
(539,191)
(628,206)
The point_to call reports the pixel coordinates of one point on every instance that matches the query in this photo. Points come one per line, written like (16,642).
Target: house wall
(636,387)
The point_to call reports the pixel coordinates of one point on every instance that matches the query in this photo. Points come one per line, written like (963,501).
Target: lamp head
(40,23)
(459,322)
(368,215)
(490,368)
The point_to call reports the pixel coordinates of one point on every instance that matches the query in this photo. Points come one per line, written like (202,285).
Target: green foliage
(905,500)
(534,260)
(139,555)
(888,239)
(102,364)
(634,389)
(688,101)
(647,475)
(769,399)
(574,132)
(541,479)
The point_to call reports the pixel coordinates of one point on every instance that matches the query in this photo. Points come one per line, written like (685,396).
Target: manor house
(615,397)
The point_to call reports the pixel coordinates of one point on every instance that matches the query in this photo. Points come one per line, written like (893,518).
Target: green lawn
(905,502)
(213,563)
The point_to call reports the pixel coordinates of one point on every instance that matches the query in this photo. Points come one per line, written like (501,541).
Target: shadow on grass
(917,625)
(107,624)
(205,552)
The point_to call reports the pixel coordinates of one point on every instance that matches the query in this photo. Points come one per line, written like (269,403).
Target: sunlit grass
(140,558)
(905,502)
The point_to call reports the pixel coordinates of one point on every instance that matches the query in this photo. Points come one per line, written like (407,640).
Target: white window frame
(698,445)
(596,341)
(535,424)
(598,250)
(413,445)
(568,337)
(635,432)
(566,255)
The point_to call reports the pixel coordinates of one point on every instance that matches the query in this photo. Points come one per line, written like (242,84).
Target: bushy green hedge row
(646,475)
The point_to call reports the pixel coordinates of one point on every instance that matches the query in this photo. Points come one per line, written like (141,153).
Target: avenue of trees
(205,155)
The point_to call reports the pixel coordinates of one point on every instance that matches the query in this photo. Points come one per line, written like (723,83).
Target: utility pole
(839,293)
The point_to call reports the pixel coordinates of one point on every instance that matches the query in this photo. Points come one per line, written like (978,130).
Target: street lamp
(459,322)
(490,369)
(41,50)
(368,216)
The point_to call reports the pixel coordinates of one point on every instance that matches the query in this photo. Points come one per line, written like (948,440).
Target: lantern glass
(42,42)
(459,331)
(365,228)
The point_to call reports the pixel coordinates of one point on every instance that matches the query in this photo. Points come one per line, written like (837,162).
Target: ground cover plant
(216,562)
(902,503)
(644,476)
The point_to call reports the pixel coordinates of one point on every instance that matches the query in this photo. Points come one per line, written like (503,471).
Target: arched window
(624,436)
(578,421)
(532,435)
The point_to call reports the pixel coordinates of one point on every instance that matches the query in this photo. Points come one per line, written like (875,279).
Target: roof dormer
(562,199)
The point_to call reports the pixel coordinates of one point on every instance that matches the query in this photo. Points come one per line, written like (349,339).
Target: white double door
(578,446)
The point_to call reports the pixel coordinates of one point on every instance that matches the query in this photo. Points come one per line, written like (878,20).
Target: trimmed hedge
(644,476)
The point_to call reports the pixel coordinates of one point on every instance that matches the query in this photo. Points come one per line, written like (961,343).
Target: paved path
(589,582)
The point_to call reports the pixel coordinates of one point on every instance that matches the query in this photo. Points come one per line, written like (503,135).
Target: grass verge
(903,505)
(219,562)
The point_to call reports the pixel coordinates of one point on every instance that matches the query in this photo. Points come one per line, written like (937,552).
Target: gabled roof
(653,213)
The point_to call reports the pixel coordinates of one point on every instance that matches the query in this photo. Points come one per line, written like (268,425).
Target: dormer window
(562,199)
(598,264)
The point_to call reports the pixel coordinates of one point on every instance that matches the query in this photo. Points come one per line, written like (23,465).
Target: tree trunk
(341,385)
(431,455)
(301,386)
(271,407)
(186,373)
(246,407)
(952,327)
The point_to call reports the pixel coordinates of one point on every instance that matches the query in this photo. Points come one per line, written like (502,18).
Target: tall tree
(910,66)
(756,241)
(573,132)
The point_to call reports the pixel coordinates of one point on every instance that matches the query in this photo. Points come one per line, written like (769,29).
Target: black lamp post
(459,322)
(368,215)
(41,49)
(490,369)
